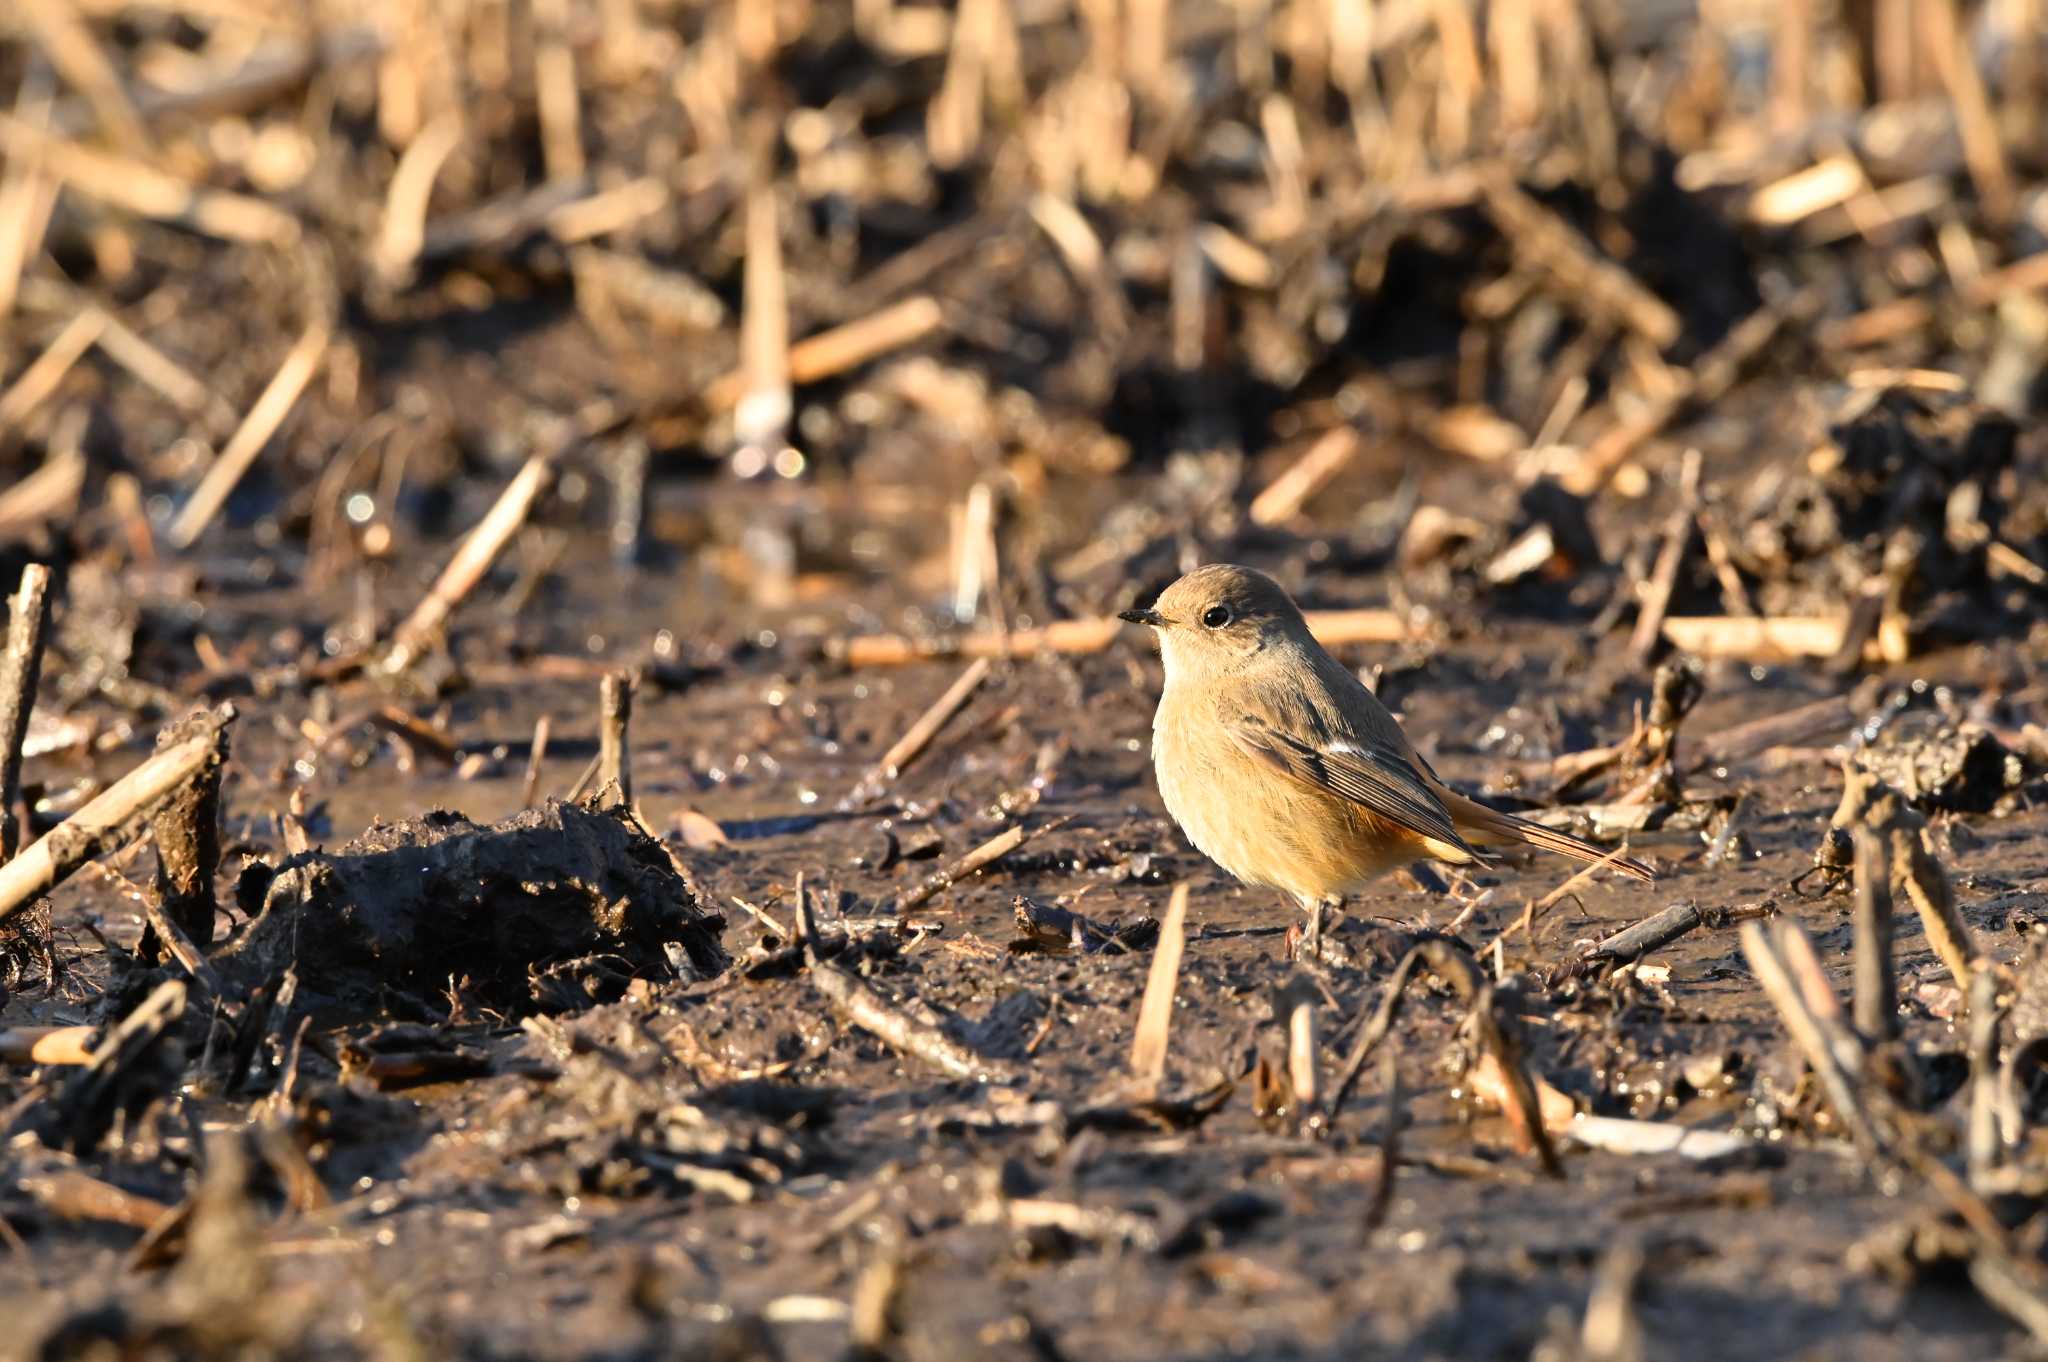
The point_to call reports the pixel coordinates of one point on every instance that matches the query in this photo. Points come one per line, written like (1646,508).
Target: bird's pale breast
(1258,824)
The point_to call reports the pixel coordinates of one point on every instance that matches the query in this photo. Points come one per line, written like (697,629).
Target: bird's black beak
(1151,618)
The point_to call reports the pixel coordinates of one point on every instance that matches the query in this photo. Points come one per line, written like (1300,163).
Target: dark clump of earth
(411,905)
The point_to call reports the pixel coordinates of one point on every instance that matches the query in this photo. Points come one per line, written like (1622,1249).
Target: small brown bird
(1281,766)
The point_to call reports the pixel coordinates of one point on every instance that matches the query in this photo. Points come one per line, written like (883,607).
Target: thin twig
(270,409)
(1670,558)
(858,1004)
(1584,875)
(989,852)
(403,235)
(42,377)
(536,752)
(482,546)
(1284,497)
(1389,1142)
(919,735)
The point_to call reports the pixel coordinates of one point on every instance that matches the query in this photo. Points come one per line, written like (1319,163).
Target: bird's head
(1219,618)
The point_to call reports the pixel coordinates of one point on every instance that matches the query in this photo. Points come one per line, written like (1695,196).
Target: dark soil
(561,1204)
(464,1059)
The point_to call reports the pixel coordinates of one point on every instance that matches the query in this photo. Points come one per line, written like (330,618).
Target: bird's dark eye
(1216,616)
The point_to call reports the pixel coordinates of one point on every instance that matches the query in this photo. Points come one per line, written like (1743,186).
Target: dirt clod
(410,905)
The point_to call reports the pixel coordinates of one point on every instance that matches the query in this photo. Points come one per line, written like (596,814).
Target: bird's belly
(1270,831)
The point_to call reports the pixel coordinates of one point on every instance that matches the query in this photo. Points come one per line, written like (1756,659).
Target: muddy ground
(481,1216)
(1604,334)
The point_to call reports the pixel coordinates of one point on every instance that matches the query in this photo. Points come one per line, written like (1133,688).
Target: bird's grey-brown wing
(1369,773)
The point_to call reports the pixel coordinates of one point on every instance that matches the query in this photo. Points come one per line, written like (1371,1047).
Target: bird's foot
(1316,944)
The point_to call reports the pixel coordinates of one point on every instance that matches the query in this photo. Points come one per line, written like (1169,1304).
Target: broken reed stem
(28,196)
(840,348)
(403,234)
(479,550)
(953,118)
(1811,977)
(188,835)
(69,43)
(1598,289)
(1389,1143)
(764,404)
(989,852)
(1284,497)
(129,184)
(291,824)
(1749,638)
(44,373)
(1705,381)
(1933,897)
(860,1005)
(1810,1031)
(554,79)
(1524,1108)
(2014,1286)
(1955,61)
(270,409)
(1806,723)
(628,467)
(52,491)
(806,920)
(607,211)
(919,735)
(1155,1012)
(615,712)
(46,1044)
(28,613)
(1982,1142)
(977,566)
(1302,1055)
(272,70)
(568,211)
(173,941)
(114,819)
(1332,628)
(1877,1008)
(126,347)
(84,1107)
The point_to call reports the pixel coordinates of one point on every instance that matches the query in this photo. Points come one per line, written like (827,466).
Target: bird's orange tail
(1476,817)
